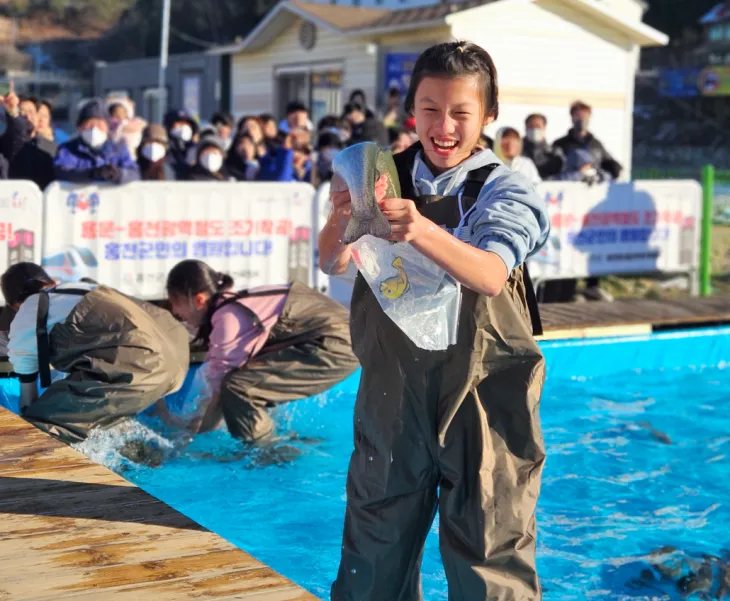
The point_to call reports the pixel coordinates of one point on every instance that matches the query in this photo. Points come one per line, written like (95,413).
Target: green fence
(715,238)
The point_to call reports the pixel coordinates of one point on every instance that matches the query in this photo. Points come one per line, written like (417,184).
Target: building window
(717,33)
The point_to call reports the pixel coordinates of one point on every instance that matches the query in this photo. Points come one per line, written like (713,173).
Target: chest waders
(121,356)
(455,430)
(307,352)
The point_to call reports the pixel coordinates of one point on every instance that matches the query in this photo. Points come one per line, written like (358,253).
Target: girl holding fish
(458,429)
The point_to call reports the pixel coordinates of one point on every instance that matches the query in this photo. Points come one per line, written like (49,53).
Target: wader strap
(44,346)
(531,299)
(248,294)
(473,185)
(41,331)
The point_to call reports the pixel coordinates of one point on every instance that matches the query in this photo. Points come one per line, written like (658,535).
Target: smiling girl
(459,429)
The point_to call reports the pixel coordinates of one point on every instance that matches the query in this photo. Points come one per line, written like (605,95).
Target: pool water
(638,452)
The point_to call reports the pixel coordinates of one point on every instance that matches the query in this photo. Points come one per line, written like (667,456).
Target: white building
(548,53)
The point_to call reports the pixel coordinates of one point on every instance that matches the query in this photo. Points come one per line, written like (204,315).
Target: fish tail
(398,263)
(378,226)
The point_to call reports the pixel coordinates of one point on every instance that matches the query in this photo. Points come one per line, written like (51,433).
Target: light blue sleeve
(510,219)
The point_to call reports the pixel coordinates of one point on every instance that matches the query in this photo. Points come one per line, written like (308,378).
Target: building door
(318,86)
(292,87)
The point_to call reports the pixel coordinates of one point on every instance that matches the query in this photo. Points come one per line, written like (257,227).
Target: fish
(143,452)
(396,286)
(356,169)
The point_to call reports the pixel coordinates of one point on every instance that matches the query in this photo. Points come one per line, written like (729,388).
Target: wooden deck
(73,530)
(627,317)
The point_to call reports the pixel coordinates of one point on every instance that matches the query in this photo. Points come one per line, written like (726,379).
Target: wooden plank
(71,529)
(656,313)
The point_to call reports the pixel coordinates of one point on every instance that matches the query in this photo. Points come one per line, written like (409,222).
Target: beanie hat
(154,133)
(94,109)
(174,116)
(211,141)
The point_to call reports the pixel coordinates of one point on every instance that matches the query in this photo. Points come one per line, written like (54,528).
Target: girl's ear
(488,120)
(201,300)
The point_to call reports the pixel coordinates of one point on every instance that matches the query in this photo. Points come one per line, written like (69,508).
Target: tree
(194,25)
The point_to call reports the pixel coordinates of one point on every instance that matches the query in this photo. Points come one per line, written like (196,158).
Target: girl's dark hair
(456,59)
(23,280)
(191,277)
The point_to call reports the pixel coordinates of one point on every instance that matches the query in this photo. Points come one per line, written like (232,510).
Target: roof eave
(249,43)
(639,33)
(368,31)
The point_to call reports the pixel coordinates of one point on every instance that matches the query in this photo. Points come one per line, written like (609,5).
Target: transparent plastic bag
(420,297)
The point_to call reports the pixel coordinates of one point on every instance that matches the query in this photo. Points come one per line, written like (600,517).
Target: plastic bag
(421,298)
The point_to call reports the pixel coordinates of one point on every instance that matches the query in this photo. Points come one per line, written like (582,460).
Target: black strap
(532,304)
(41,331)
(474,183)
(44,346)
(472,187)
(248,294)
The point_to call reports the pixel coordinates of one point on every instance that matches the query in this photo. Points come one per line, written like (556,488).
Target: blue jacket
(276,166)
(75,161)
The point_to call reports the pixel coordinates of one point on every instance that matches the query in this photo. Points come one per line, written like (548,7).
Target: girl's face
(190,309)
(44,117)
(449,116)
(246,149)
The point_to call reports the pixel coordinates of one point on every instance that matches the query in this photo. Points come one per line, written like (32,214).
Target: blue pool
(638,438)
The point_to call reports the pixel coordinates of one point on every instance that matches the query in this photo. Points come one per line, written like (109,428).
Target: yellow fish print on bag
(395,287)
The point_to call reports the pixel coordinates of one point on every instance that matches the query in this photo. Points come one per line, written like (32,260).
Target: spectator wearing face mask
(580,166)
(181,132)
(242,160)
(210,158)
(548,160)
(34,161)
(508,148)
(223,123)
(328,145)
(364,129)
(152,155)
(579,137)
(92,156)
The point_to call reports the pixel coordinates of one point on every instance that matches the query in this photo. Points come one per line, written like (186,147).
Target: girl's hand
(340,197)
(406,222)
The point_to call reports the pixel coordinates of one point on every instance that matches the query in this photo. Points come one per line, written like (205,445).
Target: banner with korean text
(129,237)
(633,228)
(21,223)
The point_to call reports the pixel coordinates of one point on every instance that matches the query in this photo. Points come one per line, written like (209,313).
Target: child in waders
(459,429)
(121,355)
(266,346)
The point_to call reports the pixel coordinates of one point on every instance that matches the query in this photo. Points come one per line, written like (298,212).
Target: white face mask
(154,151)
(212,161)
(590,172)
(535,135)
(94,137)
(184,132)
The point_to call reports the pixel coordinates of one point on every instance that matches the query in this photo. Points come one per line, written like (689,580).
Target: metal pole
(162,100)
(708,190)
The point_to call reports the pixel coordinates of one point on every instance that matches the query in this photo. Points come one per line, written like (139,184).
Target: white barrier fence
(611,229)
(130,236)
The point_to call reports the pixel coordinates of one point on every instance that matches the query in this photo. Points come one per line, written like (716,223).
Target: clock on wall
(307,35)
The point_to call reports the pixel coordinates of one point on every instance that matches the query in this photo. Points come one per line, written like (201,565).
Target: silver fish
(356,169)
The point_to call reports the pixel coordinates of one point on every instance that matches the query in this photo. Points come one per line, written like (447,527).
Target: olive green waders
(457,430)
(121,356)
